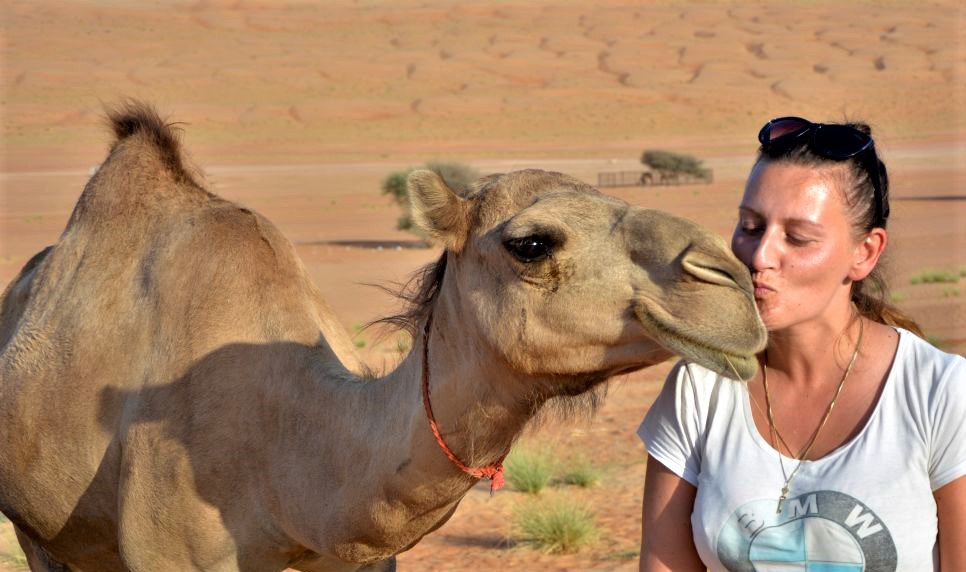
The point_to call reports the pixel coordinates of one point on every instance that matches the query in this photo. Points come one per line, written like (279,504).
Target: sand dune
(363,79)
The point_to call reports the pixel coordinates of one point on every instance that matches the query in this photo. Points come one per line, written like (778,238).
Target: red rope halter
(494,472)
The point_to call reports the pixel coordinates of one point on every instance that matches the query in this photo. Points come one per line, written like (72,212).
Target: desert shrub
(580,471)
(17,559)
(458,176)
(528,470)
(555,525)
(934,277)
(10,553)
(897,297)
(670,164)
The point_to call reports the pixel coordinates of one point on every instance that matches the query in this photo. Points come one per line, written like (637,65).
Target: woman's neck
(811,352)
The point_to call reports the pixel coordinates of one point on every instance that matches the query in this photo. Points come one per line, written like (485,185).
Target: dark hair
(869,294)
(419,295)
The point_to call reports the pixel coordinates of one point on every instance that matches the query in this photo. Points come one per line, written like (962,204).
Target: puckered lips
(762,289)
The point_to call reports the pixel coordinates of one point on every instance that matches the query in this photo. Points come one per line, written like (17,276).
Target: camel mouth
(737,366)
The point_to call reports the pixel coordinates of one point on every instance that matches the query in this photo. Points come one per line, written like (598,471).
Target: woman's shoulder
(686,369)
(926,358)
(935,377)
(699,380)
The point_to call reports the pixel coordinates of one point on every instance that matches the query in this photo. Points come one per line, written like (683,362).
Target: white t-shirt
(868,505)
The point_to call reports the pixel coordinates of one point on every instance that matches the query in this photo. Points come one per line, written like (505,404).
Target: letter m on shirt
(800,508)
(864,524)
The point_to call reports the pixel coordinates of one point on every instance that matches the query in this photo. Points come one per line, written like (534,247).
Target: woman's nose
(766,251)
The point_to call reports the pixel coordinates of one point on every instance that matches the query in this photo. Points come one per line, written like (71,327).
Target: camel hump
(138,124)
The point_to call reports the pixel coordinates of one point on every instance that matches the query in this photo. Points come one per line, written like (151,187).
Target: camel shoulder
(16,296)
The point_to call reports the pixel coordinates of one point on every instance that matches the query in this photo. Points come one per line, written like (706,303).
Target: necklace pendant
(781,499)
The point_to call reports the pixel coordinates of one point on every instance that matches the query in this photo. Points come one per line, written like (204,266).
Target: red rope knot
(492,472)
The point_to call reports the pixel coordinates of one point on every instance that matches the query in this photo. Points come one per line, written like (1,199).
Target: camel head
(570,286)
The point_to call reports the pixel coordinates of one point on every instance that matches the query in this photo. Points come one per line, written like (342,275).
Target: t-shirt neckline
(841,449)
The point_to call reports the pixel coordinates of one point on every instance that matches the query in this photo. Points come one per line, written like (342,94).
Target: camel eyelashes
(533,248)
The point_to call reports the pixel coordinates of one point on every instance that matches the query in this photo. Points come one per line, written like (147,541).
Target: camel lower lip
(719,360)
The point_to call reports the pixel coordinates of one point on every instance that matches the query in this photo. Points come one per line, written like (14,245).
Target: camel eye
(530,248)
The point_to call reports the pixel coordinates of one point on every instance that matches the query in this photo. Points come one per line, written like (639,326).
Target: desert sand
(299,110)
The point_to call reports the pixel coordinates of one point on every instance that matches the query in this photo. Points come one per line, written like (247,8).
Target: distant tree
(458,176)
(670,165)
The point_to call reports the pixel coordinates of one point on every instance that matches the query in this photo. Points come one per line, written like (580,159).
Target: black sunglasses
(832,140)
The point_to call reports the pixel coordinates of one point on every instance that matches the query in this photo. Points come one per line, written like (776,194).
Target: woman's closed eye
(798,240)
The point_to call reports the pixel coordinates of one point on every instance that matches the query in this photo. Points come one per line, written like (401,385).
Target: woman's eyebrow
(802,222)
(788,222)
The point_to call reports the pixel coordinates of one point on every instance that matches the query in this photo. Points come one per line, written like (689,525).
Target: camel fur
(175,394)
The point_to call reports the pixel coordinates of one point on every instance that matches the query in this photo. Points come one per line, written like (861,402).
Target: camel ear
(437,210)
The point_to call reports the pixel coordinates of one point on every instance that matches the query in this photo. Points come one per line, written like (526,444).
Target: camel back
(151,274)
(147,244)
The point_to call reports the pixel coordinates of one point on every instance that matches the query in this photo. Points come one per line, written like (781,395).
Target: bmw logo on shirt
(820,531)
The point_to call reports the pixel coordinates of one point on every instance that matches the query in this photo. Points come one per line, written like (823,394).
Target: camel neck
(386,445)
(465,390)
(493,471)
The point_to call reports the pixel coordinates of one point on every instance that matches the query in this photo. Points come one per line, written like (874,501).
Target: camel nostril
(715,270)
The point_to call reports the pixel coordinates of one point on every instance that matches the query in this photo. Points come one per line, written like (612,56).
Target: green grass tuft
(357,339)
(580,472)
(10,552)
(560,525)
(529,470)
(951,292)
(897,297)
(629,554)
(16,559)
(934,277)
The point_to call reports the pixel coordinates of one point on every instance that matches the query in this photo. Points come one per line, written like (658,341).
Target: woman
(848,450)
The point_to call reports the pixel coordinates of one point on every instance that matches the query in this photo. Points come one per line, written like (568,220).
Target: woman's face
(794,235)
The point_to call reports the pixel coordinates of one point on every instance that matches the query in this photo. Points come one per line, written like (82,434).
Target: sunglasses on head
(834,141)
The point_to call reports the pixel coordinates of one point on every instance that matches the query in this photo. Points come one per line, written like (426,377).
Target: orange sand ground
(300,111)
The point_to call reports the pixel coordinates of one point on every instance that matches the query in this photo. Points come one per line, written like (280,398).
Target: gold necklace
(828,412)
(776,437)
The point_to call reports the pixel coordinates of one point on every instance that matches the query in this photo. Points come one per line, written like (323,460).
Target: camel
(175,394)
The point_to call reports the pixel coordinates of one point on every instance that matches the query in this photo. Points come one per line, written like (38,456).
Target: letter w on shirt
(866,522)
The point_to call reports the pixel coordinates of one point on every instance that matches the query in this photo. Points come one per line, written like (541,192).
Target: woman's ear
(867,253)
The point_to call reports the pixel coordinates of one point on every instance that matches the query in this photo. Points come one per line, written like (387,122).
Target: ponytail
(869,296)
